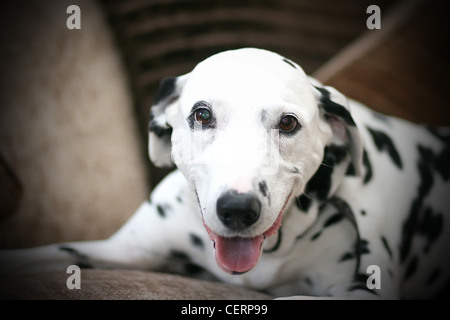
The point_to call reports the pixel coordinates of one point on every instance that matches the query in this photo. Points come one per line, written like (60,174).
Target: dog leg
(139,244)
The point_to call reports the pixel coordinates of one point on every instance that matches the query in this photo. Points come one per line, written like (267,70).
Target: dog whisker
(326,165)
(306,195)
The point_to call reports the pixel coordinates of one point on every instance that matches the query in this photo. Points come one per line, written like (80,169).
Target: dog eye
(288,124)
(202,116)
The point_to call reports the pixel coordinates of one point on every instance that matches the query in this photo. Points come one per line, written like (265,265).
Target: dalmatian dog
(283,185)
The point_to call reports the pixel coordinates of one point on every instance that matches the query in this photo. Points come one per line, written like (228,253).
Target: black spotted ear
(160,132)
(335,110)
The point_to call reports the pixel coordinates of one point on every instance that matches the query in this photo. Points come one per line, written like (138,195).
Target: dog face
(246,129)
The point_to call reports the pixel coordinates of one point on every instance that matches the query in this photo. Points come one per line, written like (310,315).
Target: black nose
(238,211)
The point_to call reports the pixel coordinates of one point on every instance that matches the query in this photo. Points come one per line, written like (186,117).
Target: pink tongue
(237,255)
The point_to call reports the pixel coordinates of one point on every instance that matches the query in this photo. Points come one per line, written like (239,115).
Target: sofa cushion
(120,284)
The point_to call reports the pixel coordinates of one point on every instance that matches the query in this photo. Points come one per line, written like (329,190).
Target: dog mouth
(238,255)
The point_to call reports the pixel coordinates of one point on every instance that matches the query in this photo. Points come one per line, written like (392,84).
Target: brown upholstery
(402,69)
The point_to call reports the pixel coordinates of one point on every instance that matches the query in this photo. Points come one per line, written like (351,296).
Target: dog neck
(323,186)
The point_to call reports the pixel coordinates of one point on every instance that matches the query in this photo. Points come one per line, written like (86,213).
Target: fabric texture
(121,285)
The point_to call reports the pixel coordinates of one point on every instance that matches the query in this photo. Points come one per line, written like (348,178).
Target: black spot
(81,259)
(333,219)
(360,283)
(363,212)
(159,130)
(360,248)
(192,269)
(387,247)
(277,244)
(430,227)
(411,268)
(303,203)
(343,207)
(368,166)
(351,172)
(335,153)
(424,166)
(72,251)
(347,256)
(433,276)
(196,241)
(308,281)
(334,108)
(289,62)
(411,224)
(316,235)
(319,185)
(179,255)
(263,188)
(442,161)
(161,211)
(361,278)
(179,199)
(384,143)
(166,89)
(409,228)
(364,247)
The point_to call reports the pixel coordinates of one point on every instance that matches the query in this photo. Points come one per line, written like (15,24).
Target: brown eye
(288,124)
(202,116)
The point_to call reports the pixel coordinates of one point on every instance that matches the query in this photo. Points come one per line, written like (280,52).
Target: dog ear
(334,108)
(160,132)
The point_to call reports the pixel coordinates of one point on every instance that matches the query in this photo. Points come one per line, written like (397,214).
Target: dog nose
(238,211)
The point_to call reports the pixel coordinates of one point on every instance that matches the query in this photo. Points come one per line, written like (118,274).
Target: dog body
(283,185)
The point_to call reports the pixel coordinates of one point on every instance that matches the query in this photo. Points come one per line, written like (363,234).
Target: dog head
(248,129)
